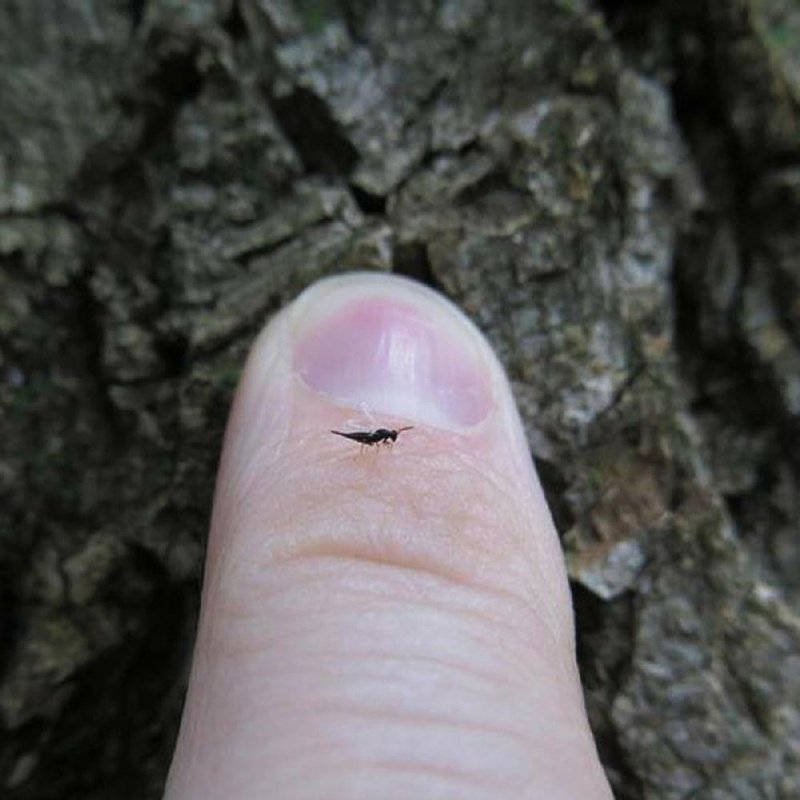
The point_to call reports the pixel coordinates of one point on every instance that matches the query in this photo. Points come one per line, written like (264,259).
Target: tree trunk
(611,192)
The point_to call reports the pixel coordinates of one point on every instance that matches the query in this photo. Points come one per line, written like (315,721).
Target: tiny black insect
(378,436)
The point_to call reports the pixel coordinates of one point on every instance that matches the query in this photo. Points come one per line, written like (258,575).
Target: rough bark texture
(612,192)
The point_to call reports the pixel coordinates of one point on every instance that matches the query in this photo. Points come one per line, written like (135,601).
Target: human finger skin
(387,622)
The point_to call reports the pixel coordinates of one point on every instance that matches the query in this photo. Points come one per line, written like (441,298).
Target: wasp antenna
(407,428)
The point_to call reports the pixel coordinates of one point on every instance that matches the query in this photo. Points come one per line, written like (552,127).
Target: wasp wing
(365,421)
(363,437)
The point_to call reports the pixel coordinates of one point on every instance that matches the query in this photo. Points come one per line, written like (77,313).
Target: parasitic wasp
(378,436)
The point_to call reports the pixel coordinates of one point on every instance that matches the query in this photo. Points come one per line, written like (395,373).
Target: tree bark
(611,191)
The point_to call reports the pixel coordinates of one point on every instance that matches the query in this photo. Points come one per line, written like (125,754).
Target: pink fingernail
(419,361)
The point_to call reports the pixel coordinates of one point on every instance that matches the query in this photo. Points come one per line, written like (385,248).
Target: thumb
(391,623)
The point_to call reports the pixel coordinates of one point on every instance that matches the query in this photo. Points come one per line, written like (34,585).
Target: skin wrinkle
(417,725)
(455,776)
(490,681)
(229,649)
(388,771)
(410,597)
(429,588)
(272,711)
(313,752)
(505,677)
(310,511)
(521,728)
(312,544)
(525,638)
(417,721)
(373,540)
(509,722)
(485,590)
(487,780)
(514,658)
(484,598)
(315,630)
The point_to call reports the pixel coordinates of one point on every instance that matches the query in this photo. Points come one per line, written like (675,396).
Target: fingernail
(395,348)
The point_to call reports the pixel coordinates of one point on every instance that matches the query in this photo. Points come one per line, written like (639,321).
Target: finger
(387,624)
